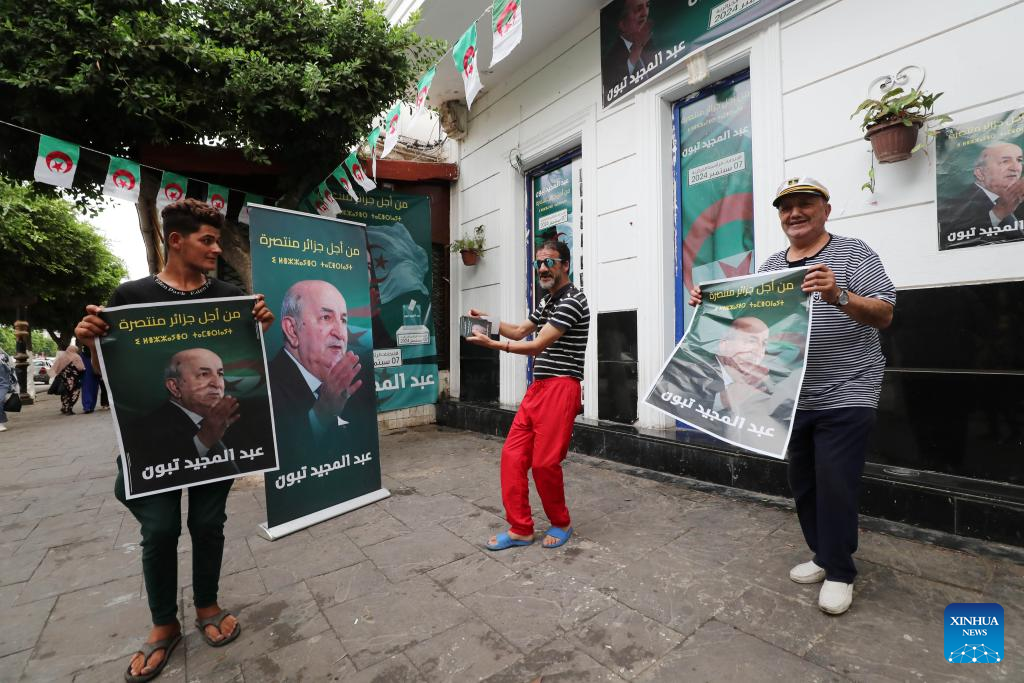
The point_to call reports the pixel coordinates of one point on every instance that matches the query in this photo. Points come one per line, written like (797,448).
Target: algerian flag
(371,142)
(123,178)
(506,28)
(217,197)
(339,175)
(56,161)
(319,203)
(391,129)
(464,56)
(243,215)
(422,88)
(355,169)
(172,188)
(328,197)
(399,263)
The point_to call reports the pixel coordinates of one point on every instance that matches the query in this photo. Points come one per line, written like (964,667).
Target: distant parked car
(41,370)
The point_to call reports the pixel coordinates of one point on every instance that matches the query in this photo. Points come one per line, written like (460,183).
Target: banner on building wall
(978,184)
(736,373)
(313,272)
(506,28)
(716,183)
(188,392)
(642,38)
(404,342)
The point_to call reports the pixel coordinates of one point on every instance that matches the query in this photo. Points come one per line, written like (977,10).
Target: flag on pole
(391,129)
(339,175)
(243,215)
(172,188)
(217,197)
(56,161)
(123,180)
(506,28)
(355,169)
(422,88)
(464,56)
(371,142)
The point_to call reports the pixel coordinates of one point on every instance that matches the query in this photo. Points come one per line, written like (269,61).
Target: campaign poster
(553,199)
(313,272)
(401,281)
(736,373)
(716,186)
(188,392)
(640,39)
(978,187)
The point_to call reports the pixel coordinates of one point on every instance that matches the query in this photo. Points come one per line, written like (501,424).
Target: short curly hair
(186,216)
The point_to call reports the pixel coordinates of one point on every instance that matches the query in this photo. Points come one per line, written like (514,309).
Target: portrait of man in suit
(993,200)
(632,49)
(197,419)
(314,374)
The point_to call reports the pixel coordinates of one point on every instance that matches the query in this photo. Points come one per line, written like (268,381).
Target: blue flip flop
(505,541)
(562,536)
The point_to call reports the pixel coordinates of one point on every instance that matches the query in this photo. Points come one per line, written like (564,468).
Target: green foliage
(911,108)
(474,243)
(7,339)
(292,81)
(47,252)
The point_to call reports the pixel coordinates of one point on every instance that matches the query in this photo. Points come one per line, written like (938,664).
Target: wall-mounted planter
(892,141)
(469,257)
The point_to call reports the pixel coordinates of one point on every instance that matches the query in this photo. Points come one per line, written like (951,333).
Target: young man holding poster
(853,298)
(191,234)
(539,437)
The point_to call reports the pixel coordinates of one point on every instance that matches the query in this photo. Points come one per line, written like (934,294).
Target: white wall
(810,66)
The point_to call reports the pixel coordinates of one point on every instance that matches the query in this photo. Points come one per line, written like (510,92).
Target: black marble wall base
(929,502)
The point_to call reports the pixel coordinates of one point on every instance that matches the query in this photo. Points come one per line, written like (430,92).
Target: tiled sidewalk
(661,582)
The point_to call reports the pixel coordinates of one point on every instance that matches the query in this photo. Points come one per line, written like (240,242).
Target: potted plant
(892,123)
(470,247)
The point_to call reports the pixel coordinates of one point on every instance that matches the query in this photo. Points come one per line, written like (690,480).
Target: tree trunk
(62,338)
(149,221)
(235,245)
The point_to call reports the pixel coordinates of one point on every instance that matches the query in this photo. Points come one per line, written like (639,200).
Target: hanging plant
(470,247)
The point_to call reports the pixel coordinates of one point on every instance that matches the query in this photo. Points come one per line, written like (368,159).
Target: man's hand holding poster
(188,389)
(737,371)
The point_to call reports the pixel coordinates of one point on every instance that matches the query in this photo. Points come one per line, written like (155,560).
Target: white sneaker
(3,428)
(808,572)
(835,597)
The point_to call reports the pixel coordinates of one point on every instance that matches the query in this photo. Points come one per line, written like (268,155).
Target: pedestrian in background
(67,375)
(8,384)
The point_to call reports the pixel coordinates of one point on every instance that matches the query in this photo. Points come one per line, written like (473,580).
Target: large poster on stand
(401,280)
(736,373)
(979,189)
(188,393)
(313,272)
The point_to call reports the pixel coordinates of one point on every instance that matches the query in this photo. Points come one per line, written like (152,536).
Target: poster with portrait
(313,272)
(554,202)
(188,392)
(736,373)
(641,39)
(401,281)
(978,186)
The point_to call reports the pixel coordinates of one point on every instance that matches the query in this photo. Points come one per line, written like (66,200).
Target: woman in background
(67,374)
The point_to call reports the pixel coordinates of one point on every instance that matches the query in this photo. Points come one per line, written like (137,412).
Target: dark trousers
(160,517)
(826,459)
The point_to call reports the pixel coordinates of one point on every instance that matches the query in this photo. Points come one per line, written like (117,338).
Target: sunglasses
(549,262)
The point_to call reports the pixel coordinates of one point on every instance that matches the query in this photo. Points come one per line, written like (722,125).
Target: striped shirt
(844,357)
(567,310)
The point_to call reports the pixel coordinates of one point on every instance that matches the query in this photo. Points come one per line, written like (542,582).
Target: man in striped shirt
(853,298)
(540,433)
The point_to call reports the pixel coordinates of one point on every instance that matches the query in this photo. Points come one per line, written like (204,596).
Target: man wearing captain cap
(853,298)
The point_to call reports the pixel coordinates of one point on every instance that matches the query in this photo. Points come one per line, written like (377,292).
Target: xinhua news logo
(974,633)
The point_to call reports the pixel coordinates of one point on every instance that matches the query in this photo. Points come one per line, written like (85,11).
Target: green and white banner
(243,215)
(172,188)
(391,129)
(404,342)
(355,169)
(736,373)
(313,272)
(979,190)
(371,142)
(188,392)
(716,184)
(56,161)
(217,197)
(123,180)
(464,54)
(422,90)
(506,28)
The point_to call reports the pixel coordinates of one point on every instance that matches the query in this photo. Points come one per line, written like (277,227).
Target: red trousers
(539,440)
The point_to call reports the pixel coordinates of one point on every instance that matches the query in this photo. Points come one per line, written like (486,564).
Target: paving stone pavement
(661,581)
